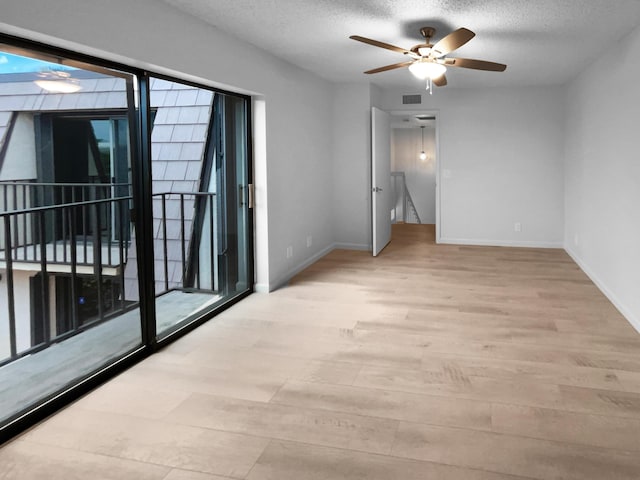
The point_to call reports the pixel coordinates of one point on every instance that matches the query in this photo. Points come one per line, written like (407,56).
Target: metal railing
(21,194)
(66,265)
(22,197)
(403,206)
(411,207)
(69,241)
(192,213)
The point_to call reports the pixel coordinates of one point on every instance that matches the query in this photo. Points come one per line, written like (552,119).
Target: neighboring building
(58,148)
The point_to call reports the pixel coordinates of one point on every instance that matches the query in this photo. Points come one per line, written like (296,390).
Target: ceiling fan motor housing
(428,32)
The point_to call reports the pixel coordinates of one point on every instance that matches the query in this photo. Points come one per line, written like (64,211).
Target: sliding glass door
(200,201)
(125,217)
(66,153)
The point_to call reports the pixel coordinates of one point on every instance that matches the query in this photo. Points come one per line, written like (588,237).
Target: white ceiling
(543,42)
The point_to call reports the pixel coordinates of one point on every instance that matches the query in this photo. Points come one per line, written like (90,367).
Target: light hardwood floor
(428,362)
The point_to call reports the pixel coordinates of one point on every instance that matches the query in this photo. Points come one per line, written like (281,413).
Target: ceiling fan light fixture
(424,69)
(56,81)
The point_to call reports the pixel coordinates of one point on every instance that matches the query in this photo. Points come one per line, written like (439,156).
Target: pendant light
(423,155)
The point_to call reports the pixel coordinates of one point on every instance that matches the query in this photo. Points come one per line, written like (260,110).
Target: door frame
(435,113)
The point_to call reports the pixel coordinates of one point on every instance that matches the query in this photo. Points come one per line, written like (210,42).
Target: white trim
(261,288)
(351,246)
(500,243)
(284,279)
(622,308)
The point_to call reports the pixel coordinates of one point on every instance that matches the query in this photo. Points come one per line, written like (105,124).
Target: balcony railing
(187,228)
(73,241)
(20,196)
(66,248)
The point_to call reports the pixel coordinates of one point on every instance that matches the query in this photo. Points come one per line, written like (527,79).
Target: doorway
(413,169)
(412,146)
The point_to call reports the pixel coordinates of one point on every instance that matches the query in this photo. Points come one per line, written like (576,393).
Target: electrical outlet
(289,251)
(309,241)
(517,227)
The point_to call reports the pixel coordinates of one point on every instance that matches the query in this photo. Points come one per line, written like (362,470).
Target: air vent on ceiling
(411,99)
(425,117)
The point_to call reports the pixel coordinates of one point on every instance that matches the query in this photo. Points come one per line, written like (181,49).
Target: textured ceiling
(543,42)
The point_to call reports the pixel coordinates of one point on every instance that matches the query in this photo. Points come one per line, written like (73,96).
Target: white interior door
(380,178)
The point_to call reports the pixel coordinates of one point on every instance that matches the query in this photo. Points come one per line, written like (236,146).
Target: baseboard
(351,246)
(499,243)
(285,278)
(622,308)
(261,288)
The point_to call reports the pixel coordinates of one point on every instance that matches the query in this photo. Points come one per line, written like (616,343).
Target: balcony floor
(48,371)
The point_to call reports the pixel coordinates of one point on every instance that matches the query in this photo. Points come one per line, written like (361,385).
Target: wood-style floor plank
(513,455)
(290,461)
(429,361)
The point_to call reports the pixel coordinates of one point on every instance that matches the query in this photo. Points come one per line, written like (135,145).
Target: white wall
(351,195)
(299,173)
(297,105)
(22,310)
(420,175)
(502,150)
(20,158)
(602,175)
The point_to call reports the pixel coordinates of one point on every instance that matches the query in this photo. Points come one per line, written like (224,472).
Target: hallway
(426,362)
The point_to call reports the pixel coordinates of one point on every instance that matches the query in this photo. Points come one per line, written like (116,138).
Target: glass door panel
(68,288)
(200,211)
(232,180)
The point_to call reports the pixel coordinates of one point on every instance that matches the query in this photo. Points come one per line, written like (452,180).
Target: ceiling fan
(429,61)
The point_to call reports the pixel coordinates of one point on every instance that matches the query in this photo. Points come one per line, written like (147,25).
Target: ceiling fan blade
(441,81)
(389,67)
(475,64)
(451,42)
(376,43)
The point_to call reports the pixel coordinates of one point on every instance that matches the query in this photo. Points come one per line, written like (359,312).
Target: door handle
(376,189)
(252,195)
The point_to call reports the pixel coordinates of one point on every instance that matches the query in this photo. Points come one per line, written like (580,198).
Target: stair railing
(411,206)
(402,198)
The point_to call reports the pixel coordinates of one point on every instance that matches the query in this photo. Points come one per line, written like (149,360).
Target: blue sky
(16,64)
